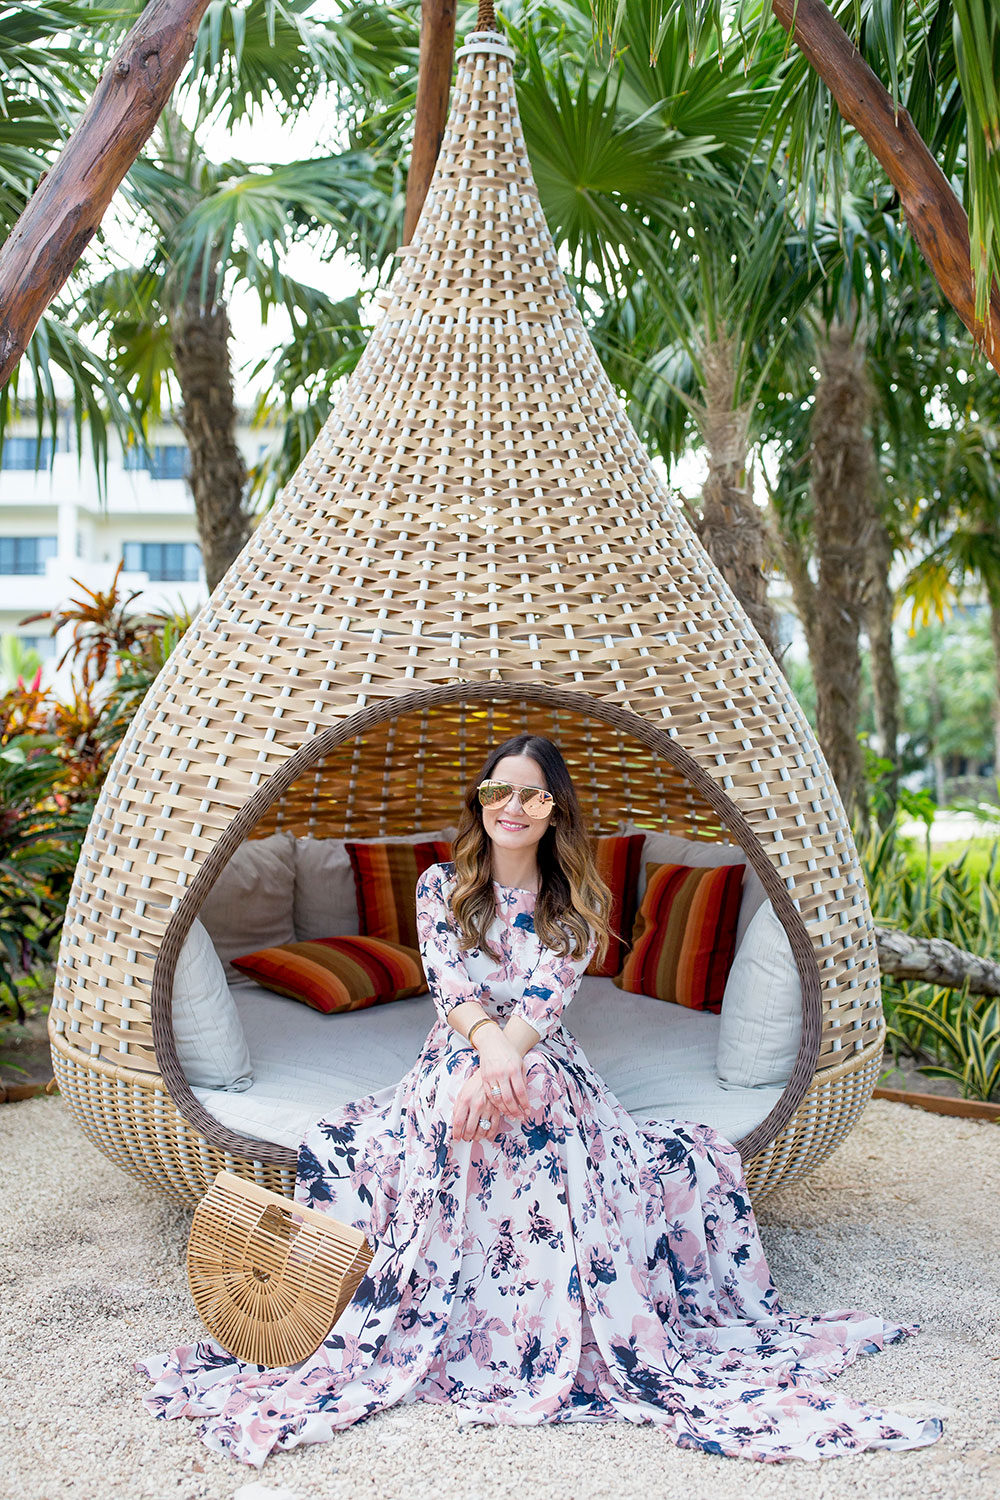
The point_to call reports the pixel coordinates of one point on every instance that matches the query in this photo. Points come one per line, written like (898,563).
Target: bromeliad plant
(103,624)
(961,1031)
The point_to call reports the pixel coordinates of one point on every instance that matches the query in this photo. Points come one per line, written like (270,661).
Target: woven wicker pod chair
(475,544)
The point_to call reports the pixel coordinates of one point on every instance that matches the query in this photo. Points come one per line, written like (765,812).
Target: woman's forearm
(465,1015)
(519,1034)
(517,1031)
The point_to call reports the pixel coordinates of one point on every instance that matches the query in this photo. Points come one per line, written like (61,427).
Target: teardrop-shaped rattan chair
(475,544)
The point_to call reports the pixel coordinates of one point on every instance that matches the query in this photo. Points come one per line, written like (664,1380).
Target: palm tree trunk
(731,525)
(885,682)
(934,748)
(200,341)
(935,960)
(993,597)
(842,480)
(796,568)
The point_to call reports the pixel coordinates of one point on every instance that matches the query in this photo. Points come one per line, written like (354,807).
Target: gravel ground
(901,1220)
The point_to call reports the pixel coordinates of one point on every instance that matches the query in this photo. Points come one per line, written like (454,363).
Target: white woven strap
(485,41)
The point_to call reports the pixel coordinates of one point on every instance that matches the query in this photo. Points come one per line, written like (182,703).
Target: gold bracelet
(483,1020)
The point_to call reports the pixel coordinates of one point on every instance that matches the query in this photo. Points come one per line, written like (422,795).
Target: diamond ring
(495,1089)
(483,1124)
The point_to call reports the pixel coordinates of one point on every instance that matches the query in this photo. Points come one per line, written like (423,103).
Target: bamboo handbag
(270,1277)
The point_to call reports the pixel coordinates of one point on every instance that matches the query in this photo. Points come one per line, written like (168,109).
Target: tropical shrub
(39,844)
(951,1033)
(961,1031)
(54,755)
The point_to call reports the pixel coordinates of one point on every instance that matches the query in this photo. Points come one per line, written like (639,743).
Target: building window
(168,461)
(163,460)
(26,554)
(166,562)
(135,457)
(26,453)
(42,645)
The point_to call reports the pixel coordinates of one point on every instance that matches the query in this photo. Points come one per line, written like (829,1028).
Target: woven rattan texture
(476,541)
(412,771)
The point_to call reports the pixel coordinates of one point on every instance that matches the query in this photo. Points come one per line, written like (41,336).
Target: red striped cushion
(685,935)
(385,876)
(338,973)
(618,857)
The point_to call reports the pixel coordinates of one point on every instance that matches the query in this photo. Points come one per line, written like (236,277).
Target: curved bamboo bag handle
(270,1277)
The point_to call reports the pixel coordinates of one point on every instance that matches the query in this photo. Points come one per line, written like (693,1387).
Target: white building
(55,527)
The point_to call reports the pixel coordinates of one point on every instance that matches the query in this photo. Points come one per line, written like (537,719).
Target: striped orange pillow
(385,876)
(685,935)
(618,857)
(338,973)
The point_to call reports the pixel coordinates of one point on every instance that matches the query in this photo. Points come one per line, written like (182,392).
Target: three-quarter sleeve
(444,963)
(550,986)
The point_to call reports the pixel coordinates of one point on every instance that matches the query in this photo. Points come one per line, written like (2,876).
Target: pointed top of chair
(487,17)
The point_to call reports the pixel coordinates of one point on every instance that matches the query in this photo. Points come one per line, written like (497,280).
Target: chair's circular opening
(405,764)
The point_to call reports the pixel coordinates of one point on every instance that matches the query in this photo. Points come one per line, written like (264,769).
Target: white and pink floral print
(578,1267)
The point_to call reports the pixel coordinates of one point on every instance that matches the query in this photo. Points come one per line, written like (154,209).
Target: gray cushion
(250,905)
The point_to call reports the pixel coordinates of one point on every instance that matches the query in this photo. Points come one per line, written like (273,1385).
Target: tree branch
(937,220)
(69,202)
(437,45)
(936,961)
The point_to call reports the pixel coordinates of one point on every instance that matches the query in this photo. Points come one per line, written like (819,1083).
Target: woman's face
(508,826)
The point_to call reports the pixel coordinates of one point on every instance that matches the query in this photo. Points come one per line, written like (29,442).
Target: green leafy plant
(950,1033)
(913,896)
(38,851)
(54,755)
(960,1031)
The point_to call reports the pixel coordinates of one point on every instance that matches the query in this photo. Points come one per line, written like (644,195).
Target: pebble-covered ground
(902,1220)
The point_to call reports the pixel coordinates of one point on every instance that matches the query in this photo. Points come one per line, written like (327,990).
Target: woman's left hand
(471,1106)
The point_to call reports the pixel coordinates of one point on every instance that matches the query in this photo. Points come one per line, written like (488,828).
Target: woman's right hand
(501,1064)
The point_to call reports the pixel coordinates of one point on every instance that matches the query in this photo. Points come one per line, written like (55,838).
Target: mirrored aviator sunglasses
(534,801)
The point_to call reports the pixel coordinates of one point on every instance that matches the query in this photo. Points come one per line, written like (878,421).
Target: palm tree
(938,115)
(216,226)
(48,55)
(959,525)
(681,244)
(852,443)
(213,226)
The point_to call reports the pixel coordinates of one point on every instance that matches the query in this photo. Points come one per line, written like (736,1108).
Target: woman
(539,1257)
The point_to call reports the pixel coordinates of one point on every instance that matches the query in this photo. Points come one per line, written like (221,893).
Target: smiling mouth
(514,827)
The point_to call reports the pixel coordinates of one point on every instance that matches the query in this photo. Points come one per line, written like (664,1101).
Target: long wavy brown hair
(572,898)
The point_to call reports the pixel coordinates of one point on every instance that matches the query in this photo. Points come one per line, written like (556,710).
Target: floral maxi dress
(578,1267)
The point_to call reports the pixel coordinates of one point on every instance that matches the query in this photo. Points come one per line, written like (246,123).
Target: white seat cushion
(208,1034)
(761,1021)
(657,1059)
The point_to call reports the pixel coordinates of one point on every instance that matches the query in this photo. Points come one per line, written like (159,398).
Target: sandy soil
(901,1220)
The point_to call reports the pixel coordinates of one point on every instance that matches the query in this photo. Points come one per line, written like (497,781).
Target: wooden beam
(941,1104)
(69,202)
(937,220)
(437,49)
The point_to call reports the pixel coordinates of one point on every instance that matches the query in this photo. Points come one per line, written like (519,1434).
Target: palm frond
(281,53)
